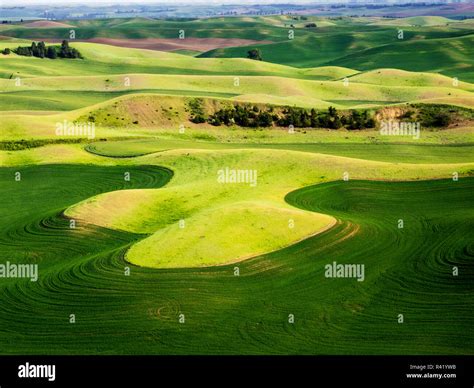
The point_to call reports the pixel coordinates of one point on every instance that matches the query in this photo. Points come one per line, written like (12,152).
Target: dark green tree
(34,49)
(314,118)
(41,50)
(51,53)
(255,54)
(64,50)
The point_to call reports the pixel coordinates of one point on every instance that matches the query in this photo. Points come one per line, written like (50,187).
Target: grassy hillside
(380,151)
(450,56)
(212,199)
(362,51)
(158,234)
(424,21)
(366,90)
(396,77)
(135,310)
(109,60)
(334,41)
(359,45)
(247,28)
(260,28)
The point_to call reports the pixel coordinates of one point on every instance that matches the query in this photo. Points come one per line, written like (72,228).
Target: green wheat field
(142,250)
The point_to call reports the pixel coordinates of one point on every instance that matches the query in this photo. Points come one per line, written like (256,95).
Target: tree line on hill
(253,117)
(40,50)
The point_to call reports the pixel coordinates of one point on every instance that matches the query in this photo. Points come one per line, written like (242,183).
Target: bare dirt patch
(158,44)
(47,24)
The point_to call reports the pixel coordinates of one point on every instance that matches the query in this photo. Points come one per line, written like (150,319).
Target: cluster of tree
(311,25)
(197,111)
(6,51)
(438,116)
(434,116)
(301,118)
(255,54)
(243,116)
(40,50)
(253,116)
(358,120)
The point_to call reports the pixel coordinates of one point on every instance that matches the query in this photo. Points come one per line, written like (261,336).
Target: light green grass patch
(194,194)
(425,21)
(227,234)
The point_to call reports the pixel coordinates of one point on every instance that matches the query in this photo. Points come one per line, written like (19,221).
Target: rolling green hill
(385,152)
(449,56)
(424,21)
(364,90)
(321,46)
(136,310)
(109,60)
(158,236)
(355,43)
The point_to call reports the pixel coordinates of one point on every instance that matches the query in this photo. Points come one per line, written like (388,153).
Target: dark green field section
(349,42)
(450,56)
(403,153)
(424,49)
(38,100)
(148,28)
(407,271)
(33,227)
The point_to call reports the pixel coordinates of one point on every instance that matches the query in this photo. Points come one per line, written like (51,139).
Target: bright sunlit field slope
(457,147)
(372,89)
(82,270)
(417,21)
(429,43)
(182,232)
(101,59)
(207,205)
(107,72)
